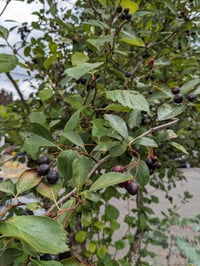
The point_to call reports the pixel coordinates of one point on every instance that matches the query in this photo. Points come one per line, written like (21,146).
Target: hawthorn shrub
(107,119)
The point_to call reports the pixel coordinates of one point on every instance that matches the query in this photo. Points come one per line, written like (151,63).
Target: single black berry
(149,162)
(119,9)
(125,184)
(191,97)
(128,74)
(175,90)
(126,10)
(123,16)
(128,16)
(43,160)
(178,98)
(157,164)
(43,169)
(52,176)
(83,80)
(132,188)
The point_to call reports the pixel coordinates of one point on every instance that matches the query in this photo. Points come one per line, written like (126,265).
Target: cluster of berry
(45,169)
(131,186)
(153,163)
(124,13)
(178,97)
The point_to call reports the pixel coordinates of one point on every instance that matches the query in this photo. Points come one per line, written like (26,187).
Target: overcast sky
(20,12)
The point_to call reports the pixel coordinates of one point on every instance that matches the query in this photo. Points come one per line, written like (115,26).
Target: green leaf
(27,180)
(49,61)
(79,58)
(117,108)
(81,166)
(167,111)
(7,186)
(4,33)
(111,212)
(30,229)
(71,262)
(91,247)
(45,263)
(75,101)
(46,94)
(65,160)
(51,191)
(131,99)
(40,130)
(117,149)
(37,117)
(188,250)
(130,38)
(134,118)
(9,255)
(67,206)
(118,124)
(75,138)
(133,7)
(72,123)
(99,42)
(78,71)
(109,179)
(162,61)
(33,143)
(189,86)
(171,7)
(80,236)
(7,62)
(178,147)
(140,171)
(146,141)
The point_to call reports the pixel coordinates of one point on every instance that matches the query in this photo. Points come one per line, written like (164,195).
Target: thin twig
(6,5)
(95,10)
(153,129)
(18,91)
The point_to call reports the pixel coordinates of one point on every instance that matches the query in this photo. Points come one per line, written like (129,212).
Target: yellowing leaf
(133,7)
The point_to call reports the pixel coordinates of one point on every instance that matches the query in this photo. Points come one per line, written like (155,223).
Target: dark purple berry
(119,9)
(1,179)
(52,176)
(128,74)
(132,188)
(123,16)
(191,97)
(43,160)
(125,184)
(126,10)
(178,98)
(149,162)
(128,16)
(83,81)
(43,169)
(157,164)
(118,168)
(154,158)
(175,90)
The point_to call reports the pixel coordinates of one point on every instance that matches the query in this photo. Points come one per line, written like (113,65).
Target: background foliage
(104,97)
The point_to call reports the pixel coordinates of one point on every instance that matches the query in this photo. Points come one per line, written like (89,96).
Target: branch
(19,92)
(153,129)
(71,193)
(8,1)
(95,10)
